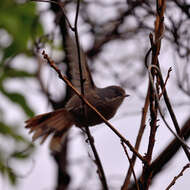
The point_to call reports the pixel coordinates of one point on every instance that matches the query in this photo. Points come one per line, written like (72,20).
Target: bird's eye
(117,91)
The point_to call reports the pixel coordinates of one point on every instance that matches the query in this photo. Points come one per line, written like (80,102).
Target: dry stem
(62,77)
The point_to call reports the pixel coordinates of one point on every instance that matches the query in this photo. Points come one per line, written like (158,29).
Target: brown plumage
(105,100)
(57,122)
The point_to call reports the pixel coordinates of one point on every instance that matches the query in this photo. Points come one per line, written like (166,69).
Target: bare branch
(82,80)
(62,77)
(130,162)
(178,176)
(138,140)
(159,108)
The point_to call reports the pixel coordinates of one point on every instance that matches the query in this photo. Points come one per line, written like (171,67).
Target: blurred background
(115,37)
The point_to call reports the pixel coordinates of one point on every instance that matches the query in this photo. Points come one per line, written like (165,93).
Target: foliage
(18,25)
(125,24)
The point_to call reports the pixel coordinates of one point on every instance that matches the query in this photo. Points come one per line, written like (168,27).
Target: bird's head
(114,92)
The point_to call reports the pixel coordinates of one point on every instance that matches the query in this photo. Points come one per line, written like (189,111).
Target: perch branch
(62,77)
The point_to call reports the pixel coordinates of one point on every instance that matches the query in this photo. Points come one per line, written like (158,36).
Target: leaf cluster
(19,24)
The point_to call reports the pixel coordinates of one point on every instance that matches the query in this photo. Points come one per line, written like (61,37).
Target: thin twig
(64,78)
(178,176)
(130,162)
(61,5)
(90,138)
(101,172)
(161,161)
(143,120)
(138,140)
(155,49)
(146,177)
(44,89)
(82,80)
(159,107)
(146,56)
(155,46)
(167,77)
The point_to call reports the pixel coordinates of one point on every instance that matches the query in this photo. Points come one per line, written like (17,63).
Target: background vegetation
(116,40)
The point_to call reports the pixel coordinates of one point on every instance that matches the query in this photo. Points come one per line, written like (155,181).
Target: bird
(106,100)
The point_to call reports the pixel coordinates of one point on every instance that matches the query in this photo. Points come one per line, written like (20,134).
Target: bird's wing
(72,56)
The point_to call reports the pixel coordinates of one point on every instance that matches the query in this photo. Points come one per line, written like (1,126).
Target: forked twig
(145,181)
(131,165)
(159,107)
(178,176)
(138,141)
(167,77)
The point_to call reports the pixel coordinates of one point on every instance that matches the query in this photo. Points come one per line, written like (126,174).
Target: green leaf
(19,99)
(5,129)
(20,155)
(10,72)
(2,166)
(10,131)
(12,176)
(21,23)
(23,154)
(5,170)
(14,73)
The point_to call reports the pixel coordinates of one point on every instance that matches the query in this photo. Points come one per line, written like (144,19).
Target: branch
(159,107)
(167,154)
(167,77)
(154,102)
(62,77)
(178,176)
(90,138)
(138,141)
(130,162)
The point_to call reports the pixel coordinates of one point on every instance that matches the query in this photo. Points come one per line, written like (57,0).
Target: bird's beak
(126,95)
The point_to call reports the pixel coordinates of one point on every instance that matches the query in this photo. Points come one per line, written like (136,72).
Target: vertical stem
(156,44)
(82,80)
(138,140)
(147,174)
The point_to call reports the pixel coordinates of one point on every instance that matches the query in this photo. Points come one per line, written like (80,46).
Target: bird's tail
(57,123)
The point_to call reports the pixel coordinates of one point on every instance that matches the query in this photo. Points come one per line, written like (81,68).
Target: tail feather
(57,122)
(57,140)
(44,137)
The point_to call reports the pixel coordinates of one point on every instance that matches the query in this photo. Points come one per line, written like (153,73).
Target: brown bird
(105,100)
